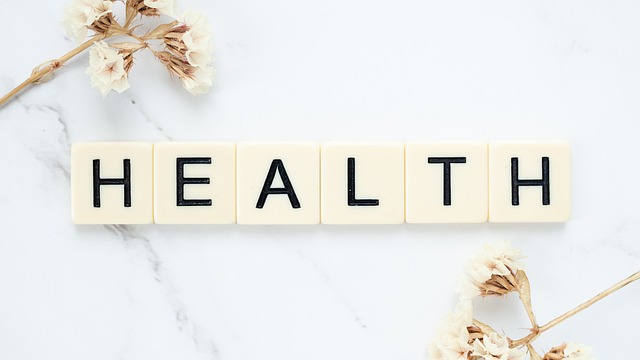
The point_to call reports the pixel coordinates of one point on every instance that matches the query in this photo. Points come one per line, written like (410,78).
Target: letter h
(125,181)
(517,182)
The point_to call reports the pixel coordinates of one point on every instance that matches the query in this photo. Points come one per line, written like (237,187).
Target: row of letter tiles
(309,183)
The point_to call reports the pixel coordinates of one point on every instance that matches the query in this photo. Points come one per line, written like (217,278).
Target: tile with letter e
(278,183)
(362,183)
(529,182)
(446,182)
(194,183)
(112,183)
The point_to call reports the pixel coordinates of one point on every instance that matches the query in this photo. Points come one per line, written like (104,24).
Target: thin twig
(586,304)
(52,66)
(537,332)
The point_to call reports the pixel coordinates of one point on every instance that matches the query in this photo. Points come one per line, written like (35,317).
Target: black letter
(516,182)
(447,161)
(181,181)
(351,187)
(98,181)
(267,190)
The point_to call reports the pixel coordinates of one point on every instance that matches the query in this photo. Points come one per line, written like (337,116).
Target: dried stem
(40,72)
(532,352)
(538,331)
(586,304)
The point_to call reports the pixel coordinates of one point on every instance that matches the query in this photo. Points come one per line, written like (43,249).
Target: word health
(311,183)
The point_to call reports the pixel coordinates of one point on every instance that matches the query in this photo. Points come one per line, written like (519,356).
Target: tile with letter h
(529,182)
(112,183)
(446,182)
(194,183)
(362,183)
(278,183)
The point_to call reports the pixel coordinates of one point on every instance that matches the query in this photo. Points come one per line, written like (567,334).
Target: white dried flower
(492,271)
(196,80)
(166,7)
(452,337)
(80,15)
(496,347)
(191,39)
(197,39)
(570,351)
(200,81)
(576,351)
(108,68)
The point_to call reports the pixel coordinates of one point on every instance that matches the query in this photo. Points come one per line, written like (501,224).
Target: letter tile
(446,182)
(529,182)
(278,183)
(194,183)
(362,183)
(112,183)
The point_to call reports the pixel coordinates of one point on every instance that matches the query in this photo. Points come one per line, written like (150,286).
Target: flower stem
(538,331)
(40,72)
(586,304)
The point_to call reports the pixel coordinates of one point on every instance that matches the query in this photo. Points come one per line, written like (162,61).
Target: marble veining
(139,243)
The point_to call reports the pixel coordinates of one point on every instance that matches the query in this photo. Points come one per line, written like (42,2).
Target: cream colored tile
(446,182)
(362,183)
(112,183)
(194,183)
(519,189)
(278,183)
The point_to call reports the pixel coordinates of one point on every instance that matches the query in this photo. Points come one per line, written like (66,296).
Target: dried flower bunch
(497,271)
(182,45)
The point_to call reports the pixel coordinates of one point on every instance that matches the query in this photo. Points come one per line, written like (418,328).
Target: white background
(322,70)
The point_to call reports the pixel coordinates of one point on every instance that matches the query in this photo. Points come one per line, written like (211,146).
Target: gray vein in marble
(148,118)
(52,155)
(51,159)
(183,322)
(625,234)
(327,280)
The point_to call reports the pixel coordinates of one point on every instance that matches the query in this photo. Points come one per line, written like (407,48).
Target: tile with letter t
(278,183)
(112,183)
(362,183)
(529,182)
(446,182)
(194,183)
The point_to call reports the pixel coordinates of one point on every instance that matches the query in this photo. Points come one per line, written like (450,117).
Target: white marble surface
(321,70)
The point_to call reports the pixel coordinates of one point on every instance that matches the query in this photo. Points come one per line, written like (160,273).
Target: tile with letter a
(194,183)
(446,182)
(362,183)
(278,183)
(529,182)
(112,183)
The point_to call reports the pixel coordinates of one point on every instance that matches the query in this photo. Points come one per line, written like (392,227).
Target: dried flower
(109,68)
(191,39)
(182,45)
(452,341)
(492,271)
(200,81)
(167,7)
(496,271)
(81,15)
(196,80)
(155,7)
(495,347)
(571,351)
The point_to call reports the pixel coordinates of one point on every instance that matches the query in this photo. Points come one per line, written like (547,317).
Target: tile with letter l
(194,183)
(529,182)
(446,182)
(362,183)
(278,183)
(112,183)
